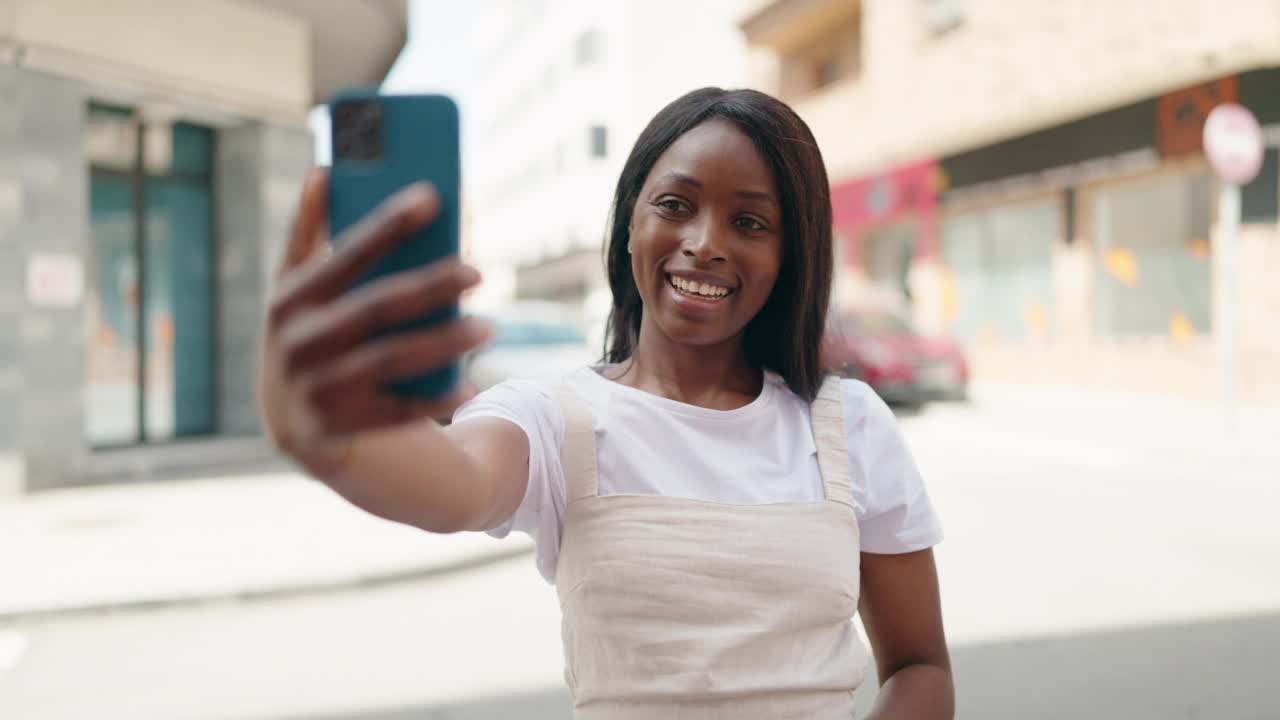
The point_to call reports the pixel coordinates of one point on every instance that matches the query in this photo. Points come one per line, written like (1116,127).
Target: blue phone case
(419,143)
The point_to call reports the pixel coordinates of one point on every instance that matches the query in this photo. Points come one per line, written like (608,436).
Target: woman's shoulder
(858,398)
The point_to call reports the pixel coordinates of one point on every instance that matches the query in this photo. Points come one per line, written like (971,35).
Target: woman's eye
(670,205)
(750,223)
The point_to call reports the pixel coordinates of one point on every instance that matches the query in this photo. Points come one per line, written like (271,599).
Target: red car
(904,367)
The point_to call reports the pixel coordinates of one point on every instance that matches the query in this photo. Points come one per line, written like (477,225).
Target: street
(1101,561)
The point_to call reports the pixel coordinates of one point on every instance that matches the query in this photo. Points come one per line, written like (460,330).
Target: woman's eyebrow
(682,179)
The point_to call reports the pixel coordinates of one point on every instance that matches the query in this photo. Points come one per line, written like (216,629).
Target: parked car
(904,367)
(531,342)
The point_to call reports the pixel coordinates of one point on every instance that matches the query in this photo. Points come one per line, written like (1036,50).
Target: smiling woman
(716,183)
(711,509)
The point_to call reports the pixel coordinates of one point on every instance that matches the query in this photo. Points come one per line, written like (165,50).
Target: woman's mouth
(700,290)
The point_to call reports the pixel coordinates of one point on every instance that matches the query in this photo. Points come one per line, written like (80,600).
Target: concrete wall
(259,171)
(238,57)
(11,294)
(44,210)
(8,17)
(1013,66)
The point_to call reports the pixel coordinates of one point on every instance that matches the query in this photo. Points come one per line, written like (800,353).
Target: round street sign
(1233,142)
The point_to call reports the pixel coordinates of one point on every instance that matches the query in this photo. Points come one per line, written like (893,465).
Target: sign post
(1233,143)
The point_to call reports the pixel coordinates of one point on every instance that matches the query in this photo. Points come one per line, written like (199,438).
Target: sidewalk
(153,544)
(136,545)
(1121,421)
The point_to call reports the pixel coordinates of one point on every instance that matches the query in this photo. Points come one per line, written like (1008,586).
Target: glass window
(111,138)
(192,150)
(833,56)
(1000,263)
(886,259)
(826,72)
(111,308)
(943,15)
(599,141)
(150,313)
(1260,199)
(179,347)
(586,50)
(1152,257)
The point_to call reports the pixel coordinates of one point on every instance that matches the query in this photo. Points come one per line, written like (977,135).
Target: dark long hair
(785,335)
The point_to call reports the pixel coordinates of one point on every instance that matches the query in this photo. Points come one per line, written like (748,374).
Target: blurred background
(1033,267)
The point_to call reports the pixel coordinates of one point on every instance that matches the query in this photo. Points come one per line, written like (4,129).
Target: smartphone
(381,144)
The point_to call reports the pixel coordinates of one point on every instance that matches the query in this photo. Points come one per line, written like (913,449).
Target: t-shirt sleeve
(895,514)
(530,406)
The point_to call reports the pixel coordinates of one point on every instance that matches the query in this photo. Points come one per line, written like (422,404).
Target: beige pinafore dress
(678,608)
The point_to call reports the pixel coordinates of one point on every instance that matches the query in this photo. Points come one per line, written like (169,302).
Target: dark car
(904,367)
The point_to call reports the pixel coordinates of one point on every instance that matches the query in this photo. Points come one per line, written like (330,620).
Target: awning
(353,43)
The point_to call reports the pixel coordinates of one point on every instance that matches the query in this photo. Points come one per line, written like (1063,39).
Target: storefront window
(150,312)
(1000,270)
(112,308)
(887,252)
(1152,258)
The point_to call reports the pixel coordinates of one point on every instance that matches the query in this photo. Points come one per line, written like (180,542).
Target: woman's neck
(717,376)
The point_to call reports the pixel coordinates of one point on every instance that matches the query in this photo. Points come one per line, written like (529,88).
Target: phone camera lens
(358,131)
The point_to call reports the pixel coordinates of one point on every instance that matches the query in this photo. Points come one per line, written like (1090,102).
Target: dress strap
(578,451)
(827,413)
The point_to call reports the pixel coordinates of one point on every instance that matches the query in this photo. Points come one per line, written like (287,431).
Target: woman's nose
(706,243)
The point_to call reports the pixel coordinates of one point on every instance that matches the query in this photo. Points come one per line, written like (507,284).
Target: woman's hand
(322,368)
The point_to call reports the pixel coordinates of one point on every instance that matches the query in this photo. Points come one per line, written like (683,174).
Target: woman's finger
(358,249)
(397,357)
(324,333)
(362,245)
(306,230)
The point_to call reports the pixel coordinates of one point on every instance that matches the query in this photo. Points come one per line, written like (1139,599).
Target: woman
(711,510)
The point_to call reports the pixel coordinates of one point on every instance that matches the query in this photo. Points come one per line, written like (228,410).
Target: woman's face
(706,235)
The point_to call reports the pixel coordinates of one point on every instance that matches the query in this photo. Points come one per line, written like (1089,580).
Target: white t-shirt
(758,454)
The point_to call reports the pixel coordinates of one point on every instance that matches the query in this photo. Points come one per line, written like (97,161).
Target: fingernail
(479,330)
(470,275)
(314,175)
(421,199)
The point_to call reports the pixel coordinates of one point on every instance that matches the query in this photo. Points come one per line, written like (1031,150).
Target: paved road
(1213,670)
(1100,562)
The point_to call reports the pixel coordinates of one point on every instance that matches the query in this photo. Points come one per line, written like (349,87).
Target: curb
(263,594)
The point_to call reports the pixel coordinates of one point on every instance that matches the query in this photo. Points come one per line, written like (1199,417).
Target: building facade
(1030,177)
(150,156)
(558,95)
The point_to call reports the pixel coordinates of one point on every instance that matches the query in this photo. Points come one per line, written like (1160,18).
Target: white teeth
(699,288)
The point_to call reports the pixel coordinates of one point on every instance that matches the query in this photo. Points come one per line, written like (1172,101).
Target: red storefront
(887,222)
